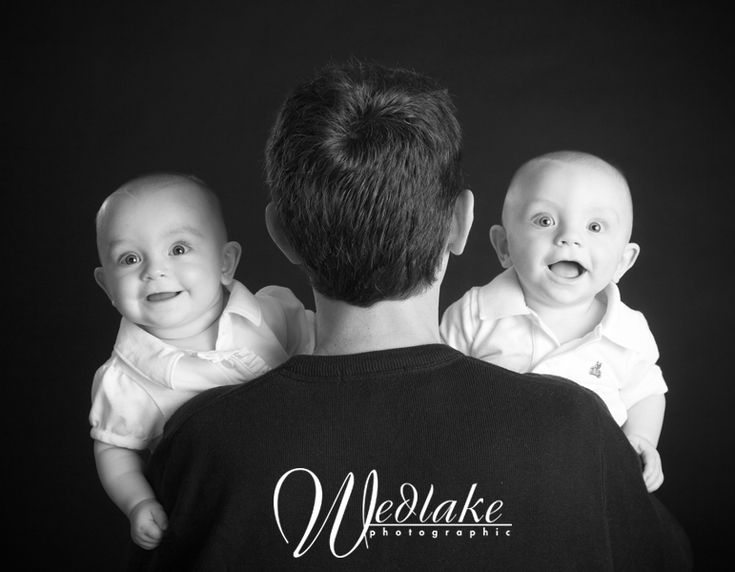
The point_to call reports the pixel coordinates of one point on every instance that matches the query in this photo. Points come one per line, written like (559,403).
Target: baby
(564,242)
(187,325)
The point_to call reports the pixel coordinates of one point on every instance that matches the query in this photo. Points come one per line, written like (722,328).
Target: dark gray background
(95,95)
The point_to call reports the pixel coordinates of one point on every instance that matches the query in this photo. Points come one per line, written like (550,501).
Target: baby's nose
(154,269)
(568,236)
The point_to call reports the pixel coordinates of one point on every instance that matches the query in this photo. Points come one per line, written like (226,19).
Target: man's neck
(346,329)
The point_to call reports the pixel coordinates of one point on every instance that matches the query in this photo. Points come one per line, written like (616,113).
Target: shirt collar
(619,324)
(243,302)
(155,359)
(503,298)
(145,353)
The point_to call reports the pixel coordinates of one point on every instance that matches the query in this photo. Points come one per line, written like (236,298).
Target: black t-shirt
(410,459)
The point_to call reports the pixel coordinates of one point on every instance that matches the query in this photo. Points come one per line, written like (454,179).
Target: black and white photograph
(410,285)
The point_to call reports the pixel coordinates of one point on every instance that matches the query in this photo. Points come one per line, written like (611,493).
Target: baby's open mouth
(161,296)
(567,269)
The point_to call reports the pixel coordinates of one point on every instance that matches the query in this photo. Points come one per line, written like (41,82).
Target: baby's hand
(653,474)
(148,521)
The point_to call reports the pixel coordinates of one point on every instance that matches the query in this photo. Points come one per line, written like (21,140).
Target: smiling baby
(564,243)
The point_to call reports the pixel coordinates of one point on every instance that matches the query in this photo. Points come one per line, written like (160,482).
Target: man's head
(567,221)
(363,165)
(164,254)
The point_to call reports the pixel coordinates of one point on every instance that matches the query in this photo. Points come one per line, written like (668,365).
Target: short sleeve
(292,323)
(459,323)
(644,377)
(122,413)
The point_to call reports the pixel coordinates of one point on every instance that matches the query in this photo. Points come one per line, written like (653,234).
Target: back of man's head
(363,165)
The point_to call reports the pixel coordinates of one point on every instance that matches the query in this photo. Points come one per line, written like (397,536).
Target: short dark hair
(364,167)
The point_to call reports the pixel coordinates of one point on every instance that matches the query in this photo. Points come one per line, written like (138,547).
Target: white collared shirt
(145,380)
(616,360)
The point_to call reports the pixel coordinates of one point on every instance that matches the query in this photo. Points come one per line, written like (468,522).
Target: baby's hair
(146,182)
(570,158)
(537,164)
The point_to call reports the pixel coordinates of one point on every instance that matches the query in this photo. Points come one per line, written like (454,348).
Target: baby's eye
(129,259)
(594,227)
(544,221)
(179,249)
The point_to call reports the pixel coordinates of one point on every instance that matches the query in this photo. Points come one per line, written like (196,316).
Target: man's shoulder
(541,392)
(213,402)
(481,370)
(455,378)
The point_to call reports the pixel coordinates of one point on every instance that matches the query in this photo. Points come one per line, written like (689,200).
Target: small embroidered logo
(595,370)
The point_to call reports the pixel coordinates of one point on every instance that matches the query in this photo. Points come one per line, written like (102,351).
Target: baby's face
(568,229)
(162,259)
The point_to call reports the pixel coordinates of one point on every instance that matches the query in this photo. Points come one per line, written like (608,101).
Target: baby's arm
(643,428)
(121,473)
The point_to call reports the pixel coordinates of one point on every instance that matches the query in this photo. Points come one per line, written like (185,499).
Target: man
(386,449)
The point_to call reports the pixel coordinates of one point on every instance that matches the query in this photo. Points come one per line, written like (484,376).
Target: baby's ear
(627,260)
(499,240)
(99,277)
(231,252)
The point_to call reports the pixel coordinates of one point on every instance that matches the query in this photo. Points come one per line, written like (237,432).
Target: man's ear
(231,252)
(99,277)
(630,255)
(278,236)
(499,240)
(462,218)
